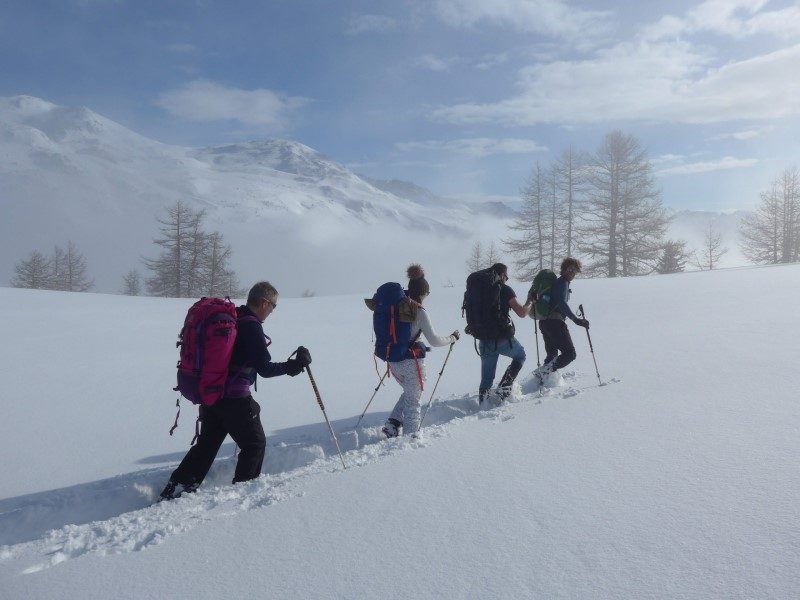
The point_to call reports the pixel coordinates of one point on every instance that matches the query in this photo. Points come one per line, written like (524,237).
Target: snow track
(116,515)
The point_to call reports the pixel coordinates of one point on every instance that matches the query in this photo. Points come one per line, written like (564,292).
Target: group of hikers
(236,336)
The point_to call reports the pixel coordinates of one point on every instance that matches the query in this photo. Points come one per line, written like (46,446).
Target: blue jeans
(490,351)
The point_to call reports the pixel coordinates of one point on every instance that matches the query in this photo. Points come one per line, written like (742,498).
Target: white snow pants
(407,408)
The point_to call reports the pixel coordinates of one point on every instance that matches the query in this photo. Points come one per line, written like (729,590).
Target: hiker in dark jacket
(237,414)
(557,341)
(491,350)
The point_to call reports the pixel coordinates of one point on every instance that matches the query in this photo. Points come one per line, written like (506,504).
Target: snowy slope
(677,480)
(69,173)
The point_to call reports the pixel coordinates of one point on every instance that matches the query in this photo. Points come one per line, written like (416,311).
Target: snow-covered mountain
(425,197)
(69,173)
(290,213)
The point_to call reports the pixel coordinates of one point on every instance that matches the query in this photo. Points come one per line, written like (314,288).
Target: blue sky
(461,96)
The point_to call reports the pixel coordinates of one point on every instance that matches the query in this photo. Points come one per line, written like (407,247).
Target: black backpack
(486,319)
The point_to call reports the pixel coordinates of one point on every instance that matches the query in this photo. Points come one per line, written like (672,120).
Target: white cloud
(665,81)
(727,162)
(434,63)
(735,18)
(667,158)
(370,24)
(202,100)
(746,134)
(474,147)
(549,17)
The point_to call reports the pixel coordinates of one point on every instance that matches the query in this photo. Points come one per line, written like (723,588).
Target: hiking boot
(503,392)
(545,369)
(392,428)
(510,375)
(482,396)
(173,490)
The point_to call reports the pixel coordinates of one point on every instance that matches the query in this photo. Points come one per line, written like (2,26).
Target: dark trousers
(239,417)
(557,339)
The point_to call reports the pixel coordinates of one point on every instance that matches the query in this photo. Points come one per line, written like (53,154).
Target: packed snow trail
(86,519)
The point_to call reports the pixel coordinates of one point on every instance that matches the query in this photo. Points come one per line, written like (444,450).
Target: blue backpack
(393,341)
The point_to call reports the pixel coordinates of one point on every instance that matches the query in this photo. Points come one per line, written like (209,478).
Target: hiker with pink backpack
(223,350)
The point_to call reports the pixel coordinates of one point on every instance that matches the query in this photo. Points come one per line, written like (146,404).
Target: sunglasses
(274,305)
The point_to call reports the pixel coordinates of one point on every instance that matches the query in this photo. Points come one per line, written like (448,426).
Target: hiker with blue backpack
(488,301)
(551,297)
(399,320)
(224,349)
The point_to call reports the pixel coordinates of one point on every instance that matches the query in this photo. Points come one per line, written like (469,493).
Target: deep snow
(677,480)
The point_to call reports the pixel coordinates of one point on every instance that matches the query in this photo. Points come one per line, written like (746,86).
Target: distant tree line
(64,270)
(193,262)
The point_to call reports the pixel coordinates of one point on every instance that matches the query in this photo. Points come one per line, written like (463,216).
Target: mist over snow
(291,214)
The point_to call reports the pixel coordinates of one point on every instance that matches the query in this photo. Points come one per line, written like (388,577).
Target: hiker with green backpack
(550,295)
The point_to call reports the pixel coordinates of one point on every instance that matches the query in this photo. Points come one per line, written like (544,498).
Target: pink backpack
(206,343)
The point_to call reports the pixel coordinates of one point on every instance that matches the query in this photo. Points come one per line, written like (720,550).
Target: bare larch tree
(132,283)
(623,223)
(32,273)
(712,250)
(527,244)
(772,234)
(475,260)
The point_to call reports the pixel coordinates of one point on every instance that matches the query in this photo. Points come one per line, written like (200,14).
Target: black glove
(294,367)
(456,335)
(582,322)
(532,295)
(303,356)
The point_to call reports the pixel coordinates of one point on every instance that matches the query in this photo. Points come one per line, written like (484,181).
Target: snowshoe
(392,428)
(173,490)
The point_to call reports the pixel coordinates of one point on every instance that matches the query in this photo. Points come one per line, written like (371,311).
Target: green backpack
(540,292)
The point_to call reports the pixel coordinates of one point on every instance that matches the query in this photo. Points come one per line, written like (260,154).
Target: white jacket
(423,323)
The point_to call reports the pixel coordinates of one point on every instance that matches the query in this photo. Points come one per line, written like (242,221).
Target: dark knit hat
(417,284)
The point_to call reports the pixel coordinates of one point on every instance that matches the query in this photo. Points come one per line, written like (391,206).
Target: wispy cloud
(727,162)
(735,18)
(474,147)
(359,24)
(670,81)
(746,134)
(667,158)
(547,17)
(202,100)
(435,63)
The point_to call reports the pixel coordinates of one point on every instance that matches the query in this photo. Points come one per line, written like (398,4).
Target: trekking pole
(325,414)
(583,316)
(536,333)
(435,386)
(377,387)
